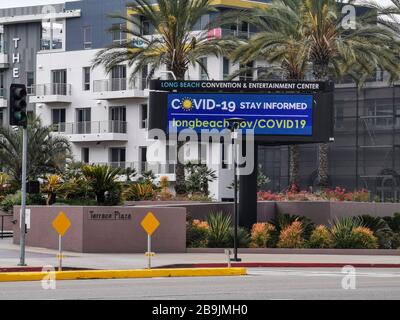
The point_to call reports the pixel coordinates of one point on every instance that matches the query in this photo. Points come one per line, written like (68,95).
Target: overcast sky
(20,3)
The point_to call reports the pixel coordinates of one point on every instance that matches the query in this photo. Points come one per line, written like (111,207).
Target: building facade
(51,49)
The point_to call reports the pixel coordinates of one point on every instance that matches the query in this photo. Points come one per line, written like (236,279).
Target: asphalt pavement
(260,284)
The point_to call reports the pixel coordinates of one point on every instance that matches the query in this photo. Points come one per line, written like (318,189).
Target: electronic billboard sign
(277,112)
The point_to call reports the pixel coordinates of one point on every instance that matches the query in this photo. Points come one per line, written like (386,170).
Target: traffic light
(18,115)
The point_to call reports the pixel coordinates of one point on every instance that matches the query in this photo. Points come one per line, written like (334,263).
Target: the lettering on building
(109,216)
(16,58)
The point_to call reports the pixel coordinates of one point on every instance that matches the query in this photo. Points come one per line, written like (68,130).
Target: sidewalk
(38,257)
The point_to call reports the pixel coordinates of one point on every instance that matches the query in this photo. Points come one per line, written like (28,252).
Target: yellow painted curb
(121,274)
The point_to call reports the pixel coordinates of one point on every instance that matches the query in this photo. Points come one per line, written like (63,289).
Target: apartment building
(51,49)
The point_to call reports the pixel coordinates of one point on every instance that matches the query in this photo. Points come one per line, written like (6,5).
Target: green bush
(282,221)
(12,200)
(243,238)
(321,237)
(291,236)
(342,232)
(219,224)
(363,238)
(393,222)
(196,234)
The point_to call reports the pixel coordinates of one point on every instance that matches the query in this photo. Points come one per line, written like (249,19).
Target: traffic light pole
(23,196)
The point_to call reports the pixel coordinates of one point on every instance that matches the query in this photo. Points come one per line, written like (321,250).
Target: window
(85,155)
(143,122)
(58,119)
(143,159)
(83,120)
(30,82)
(247,75)
(203,69)
(2,43)
(226,68)
(2,89)
(52,35)
(118,78)
(59,82)
(117,157)
(117,119)
(145,28)
(86,79)
(87,37)
(117,35)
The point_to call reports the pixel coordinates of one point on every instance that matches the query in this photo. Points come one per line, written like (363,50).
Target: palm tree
(174,44)
(315,28)
(282,45)
(368,47)
(47,153)
(101,179)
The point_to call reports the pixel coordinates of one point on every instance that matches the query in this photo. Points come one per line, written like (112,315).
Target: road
(259,284)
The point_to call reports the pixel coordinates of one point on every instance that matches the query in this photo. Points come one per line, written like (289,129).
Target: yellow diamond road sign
(150,223)
(61,224)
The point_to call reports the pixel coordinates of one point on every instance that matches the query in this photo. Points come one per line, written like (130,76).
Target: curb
(122,274)
(286,265)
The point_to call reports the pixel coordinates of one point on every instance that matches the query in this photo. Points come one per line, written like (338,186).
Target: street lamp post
(234,124)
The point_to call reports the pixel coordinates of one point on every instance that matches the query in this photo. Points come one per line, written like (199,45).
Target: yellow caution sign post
(61,224)
(150,224)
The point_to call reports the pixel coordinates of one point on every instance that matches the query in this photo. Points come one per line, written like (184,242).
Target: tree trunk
(323,165)
(180,186)
(100,197)
(294,156)
(320,70)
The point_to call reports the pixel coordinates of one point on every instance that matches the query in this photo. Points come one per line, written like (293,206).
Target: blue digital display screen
(266,114)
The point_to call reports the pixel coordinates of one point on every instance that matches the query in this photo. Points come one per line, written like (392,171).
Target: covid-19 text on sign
(266,114)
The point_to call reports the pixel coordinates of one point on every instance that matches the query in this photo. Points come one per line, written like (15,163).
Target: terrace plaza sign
(277,112)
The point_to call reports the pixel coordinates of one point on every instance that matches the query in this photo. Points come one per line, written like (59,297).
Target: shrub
(51,188)
(380,229)
(139,191)
(197,234)
(220,225)
(394,222)
(102,180)
(363,238)
(243,238)
(342,232)
(321,237)
(291,236)
(261,234)
(284,220)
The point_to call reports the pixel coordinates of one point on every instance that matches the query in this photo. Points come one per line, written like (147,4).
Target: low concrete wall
(7,221)
(200,210)
(106,229)
(323,212)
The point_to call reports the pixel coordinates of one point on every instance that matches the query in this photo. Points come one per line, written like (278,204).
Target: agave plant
(101,179)
(342,231)
(219,232)
(51,187)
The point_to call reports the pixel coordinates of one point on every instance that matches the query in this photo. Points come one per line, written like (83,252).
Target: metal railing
(141,167)
(119,84)
(237,33)
(91,127)
(51,89)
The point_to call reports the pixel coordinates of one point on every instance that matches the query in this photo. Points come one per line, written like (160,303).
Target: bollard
(228,253)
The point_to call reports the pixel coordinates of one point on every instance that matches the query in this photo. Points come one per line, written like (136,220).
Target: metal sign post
(149,224)
(59,253)
(23,197)
(61,224)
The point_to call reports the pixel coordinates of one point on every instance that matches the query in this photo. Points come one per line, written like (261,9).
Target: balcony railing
(91,127)
(51,89)
(119,84)
(141,167)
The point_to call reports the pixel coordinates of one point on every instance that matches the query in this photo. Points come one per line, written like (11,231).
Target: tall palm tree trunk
(294,156)
(323,165)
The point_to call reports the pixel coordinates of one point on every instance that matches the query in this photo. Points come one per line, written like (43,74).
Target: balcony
(50,93)
(4,64)
(3,98)
(112,89)
(93,131)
